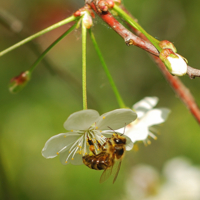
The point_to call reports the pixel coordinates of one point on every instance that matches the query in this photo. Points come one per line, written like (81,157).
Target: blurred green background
(29,118)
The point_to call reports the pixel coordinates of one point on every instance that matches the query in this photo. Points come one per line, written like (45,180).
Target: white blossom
(84,125)
(147,117)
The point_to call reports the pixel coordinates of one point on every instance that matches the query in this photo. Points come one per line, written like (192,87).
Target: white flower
(147,117)
(82,125)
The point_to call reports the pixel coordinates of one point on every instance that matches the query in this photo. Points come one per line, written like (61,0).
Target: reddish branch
(180,89)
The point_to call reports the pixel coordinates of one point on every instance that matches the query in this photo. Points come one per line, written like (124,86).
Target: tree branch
(179,88)
(141,41)
(130,38)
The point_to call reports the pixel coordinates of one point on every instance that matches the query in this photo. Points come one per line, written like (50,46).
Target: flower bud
(17,83)
(165,44)
(87,19)
(175,63)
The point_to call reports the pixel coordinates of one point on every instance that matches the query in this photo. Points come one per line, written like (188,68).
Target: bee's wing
(117,167)
(106,174)
(112,170)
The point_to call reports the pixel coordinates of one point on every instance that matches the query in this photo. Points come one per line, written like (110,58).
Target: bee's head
(118,139)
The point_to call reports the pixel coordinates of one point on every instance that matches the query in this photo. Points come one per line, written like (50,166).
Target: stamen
(104,117)
(57,153)
(65,136)
(71,130)
(153,136)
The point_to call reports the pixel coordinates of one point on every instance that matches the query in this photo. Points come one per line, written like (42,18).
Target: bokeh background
(29,118)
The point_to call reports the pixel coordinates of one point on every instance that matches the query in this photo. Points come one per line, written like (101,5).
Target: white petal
(145,105)
(137,132)
(155,116)
(129,143)
(178,65)
(56,143)
(76,161)
(116,119)
(81,120)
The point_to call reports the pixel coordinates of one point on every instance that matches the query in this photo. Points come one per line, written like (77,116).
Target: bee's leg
(102,147)
(92,148)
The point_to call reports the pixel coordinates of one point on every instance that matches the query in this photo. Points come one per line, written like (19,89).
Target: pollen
(87,143)
(101,135)
(57,153)
(114,134)
(148,142)
(69,151)
(96,127)
(85,153)
(71,130)
(104,117)
(155,138)
(66,161)
(80,147)
(99,141)
(65,136)
(72,158)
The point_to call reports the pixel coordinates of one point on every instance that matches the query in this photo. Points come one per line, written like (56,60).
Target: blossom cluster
(88,124)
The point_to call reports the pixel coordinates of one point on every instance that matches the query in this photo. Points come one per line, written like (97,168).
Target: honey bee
(111,153)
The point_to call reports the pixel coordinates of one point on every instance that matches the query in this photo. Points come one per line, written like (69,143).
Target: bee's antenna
(112,129)
(124,130)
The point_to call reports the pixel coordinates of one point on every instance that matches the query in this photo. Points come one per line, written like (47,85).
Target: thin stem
(112,83)
(133,23)
(84,35)
(50,28)
(51,46)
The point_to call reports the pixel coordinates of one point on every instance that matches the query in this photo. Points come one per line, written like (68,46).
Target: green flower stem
(50,28)
(133,23)
(84,35)
(112,83)
(51,46)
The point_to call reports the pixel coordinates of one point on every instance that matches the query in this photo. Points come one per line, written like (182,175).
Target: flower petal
(155,116)
(56,143)
(142,106)
(137,132)
(116,119)
(129,143)
(77,160)
(81,120)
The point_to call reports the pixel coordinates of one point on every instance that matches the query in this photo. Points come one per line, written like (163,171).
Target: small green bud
(17,83)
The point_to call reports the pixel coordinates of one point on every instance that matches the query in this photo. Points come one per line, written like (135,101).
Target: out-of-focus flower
(175,63)
(84,125)
(180,181)
(140,129)
(143,181)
